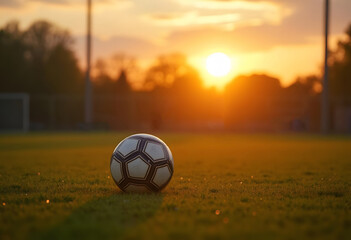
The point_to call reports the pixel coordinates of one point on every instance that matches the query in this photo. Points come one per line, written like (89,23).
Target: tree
(340,69)
(53,65)
(253,86)
(189,83)
(171,69)
(122,85)
(61,72)
(307,86)
(125,68)
(39,60)
(102,81)
(123,62)
(105,84)
(251,100)
(14,60)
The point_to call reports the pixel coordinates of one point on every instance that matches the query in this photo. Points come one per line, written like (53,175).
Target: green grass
(265,187)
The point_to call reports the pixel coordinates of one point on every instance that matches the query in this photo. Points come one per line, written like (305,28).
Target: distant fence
(275,114)
(56,112)
(144,111)
(126,111)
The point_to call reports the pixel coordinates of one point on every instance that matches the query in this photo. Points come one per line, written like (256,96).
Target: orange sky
(279,37)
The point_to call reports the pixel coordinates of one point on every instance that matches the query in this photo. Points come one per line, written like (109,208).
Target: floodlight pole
(88,87)
(325,93)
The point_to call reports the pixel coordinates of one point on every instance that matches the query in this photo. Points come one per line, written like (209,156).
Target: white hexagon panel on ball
(138,168)
(162,176)
(116,170)
(127,147)
(154,151)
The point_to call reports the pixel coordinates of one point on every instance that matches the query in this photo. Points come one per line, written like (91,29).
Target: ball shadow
(108,216)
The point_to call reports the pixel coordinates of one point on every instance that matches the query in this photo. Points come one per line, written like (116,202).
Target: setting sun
(218,64)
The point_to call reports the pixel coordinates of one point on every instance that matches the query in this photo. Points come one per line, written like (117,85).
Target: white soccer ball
(141,163)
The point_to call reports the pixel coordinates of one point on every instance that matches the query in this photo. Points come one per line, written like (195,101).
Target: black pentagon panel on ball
(141,163)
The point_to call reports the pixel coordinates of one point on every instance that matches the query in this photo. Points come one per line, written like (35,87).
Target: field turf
(58,186)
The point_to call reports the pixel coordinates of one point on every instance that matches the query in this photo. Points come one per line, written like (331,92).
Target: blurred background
(174,65)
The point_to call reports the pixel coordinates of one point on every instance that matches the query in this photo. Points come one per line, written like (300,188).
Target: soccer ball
(141,163)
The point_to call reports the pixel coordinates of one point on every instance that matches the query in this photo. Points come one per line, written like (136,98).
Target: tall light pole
(325,93)
(88,88)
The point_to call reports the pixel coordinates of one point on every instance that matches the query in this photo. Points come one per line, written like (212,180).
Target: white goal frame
(25,109)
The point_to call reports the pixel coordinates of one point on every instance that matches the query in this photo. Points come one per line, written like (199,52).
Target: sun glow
(218,64)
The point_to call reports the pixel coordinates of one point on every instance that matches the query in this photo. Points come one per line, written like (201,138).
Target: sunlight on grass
(224,186)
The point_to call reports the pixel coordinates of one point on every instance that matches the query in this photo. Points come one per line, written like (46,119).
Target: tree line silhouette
(40,61)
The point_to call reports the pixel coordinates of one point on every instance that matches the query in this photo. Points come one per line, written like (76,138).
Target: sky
(283,38)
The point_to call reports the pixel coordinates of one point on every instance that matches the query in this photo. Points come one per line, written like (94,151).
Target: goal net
(14,112)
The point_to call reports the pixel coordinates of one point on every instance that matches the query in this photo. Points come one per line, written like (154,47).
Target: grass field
(58,186)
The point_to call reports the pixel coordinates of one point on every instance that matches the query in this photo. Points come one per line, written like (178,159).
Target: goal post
(14,112)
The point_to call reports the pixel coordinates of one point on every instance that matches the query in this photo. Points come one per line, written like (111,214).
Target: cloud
(103,48)
(55,1)
(187,25)
(226,15)
(241,40)
(11,3)
(24,3)
(231,4)
(77,2)
(252,33)
(193,18)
